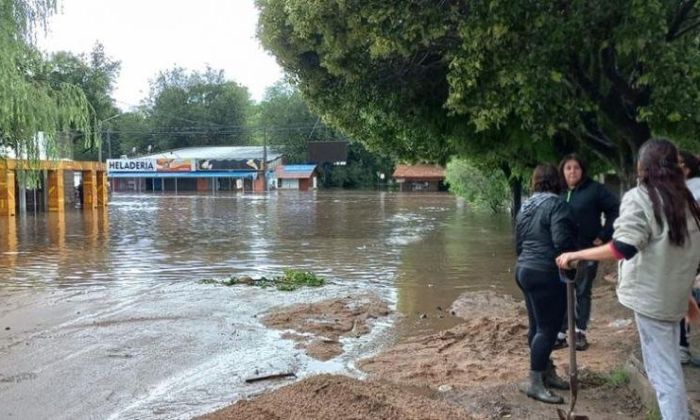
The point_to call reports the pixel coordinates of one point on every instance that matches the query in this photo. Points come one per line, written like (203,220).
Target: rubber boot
(538,391)
(552,380)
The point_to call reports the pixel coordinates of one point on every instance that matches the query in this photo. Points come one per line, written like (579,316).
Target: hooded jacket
(588,200)
(544,229)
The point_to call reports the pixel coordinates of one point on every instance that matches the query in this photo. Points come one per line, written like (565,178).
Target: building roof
(295,171)
(420,171)
(217,153)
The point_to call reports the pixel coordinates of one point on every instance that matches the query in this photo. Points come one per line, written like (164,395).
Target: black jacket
(544,229)
(588,201)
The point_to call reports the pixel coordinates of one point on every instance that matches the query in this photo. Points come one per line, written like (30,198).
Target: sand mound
(481,351)
(318,326)
(340,397)
(487,303)
(491,346)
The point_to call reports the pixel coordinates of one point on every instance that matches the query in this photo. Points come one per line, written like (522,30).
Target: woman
(691,170)
(544,229)
(658,237)
(589,200)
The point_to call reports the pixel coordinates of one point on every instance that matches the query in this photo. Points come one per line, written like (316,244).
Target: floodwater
(103,315)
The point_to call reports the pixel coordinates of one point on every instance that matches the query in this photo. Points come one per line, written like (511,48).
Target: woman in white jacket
(690,165)
(658,236)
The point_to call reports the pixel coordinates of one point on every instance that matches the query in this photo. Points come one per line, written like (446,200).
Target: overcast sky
(152,35)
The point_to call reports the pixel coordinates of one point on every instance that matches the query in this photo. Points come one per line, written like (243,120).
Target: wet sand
(318,327)
(476,366)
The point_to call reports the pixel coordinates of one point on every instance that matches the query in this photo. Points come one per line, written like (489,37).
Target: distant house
(297,177)
(420,177)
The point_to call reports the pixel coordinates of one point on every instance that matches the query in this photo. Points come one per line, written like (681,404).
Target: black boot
(538,391)
(552,380)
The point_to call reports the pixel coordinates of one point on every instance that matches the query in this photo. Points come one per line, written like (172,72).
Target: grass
(289,281)
(617,378)
(653,414)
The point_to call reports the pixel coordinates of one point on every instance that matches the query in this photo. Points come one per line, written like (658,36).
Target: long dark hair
(545,178)
(690,162)
(663,178)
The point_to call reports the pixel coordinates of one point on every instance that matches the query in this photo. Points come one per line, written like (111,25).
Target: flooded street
(103,315)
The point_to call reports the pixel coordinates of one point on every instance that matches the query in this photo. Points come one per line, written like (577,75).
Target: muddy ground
(469,371)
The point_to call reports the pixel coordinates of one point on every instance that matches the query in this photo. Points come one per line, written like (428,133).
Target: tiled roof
(295,171)
(420,171)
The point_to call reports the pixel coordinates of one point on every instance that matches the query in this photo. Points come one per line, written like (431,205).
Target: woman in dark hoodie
(545,228)
(589,201)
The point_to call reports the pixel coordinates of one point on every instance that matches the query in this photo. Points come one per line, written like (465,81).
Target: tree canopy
(197,109)
(29,102)
(514,80)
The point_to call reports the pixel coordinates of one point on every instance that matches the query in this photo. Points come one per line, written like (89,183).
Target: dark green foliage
(512,82)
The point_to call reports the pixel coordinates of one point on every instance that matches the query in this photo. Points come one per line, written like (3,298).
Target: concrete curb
(640,384)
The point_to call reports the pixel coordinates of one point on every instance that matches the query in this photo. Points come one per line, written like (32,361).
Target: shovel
(571,315)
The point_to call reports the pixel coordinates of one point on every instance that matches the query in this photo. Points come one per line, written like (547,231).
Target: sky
(148,36)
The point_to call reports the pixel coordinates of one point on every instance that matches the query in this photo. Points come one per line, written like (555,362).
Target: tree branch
(687,29)
(678,19)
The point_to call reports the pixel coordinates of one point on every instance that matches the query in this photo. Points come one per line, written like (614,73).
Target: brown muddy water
(102,315)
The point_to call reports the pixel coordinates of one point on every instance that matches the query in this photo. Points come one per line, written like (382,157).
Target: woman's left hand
(565,260)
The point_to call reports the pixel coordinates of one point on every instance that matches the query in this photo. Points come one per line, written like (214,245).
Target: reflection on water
(106,303)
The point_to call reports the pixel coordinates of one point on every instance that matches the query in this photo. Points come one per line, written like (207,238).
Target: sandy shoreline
(469,371)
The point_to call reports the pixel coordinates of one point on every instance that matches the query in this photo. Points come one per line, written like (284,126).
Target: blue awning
(197,174)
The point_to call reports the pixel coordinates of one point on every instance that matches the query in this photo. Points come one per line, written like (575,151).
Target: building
(297,177)
(420,177)
(207,168)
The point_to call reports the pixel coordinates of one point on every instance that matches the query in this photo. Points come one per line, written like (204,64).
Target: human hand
(566,261)
(598,242)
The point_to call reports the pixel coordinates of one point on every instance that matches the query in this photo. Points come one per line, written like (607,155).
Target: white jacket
(656,282)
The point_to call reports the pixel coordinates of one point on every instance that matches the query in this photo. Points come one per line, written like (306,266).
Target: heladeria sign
(131,165)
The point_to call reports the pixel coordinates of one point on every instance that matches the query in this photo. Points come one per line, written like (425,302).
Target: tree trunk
(516,190)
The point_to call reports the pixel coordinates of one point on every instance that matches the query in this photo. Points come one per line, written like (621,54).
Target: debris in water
(273,376)
(290,280)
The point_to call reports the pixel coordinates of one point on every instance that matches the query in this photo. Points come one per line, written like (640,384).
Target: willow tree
(512,79)
(29,104)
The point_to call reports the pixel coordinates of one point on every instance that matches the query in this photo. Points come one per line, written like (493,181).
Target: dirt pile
(340,397)
(318,327)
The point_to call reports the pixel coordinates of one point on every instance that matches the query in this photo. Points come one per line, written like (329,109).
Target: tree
(197,109)
(29,102)
(95,74)
(361,171)
(480,188)
(287,122)
(428,80)
(130,134)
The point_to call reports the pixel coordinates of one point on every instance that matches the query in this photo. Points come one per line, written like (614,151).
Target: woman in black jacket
(589,201)
(545,228)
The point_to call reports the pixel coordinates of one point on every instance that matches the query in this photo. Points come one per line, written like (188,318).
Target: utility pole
(264,161)
(109,143)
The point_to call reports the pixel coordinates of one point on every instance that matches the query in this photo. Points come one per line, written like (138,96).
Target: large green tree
(197,109)
(95,74)
(515,80)
(29,102)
